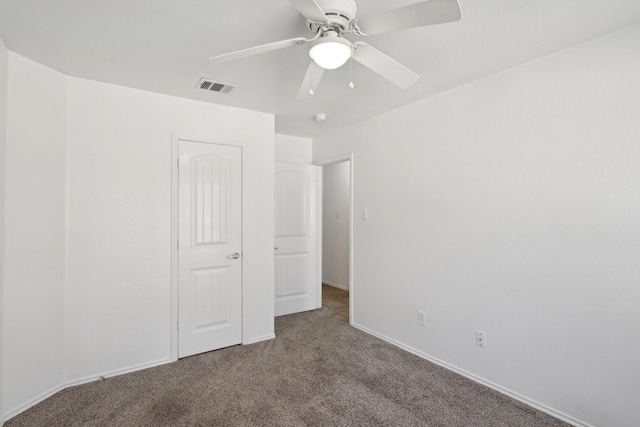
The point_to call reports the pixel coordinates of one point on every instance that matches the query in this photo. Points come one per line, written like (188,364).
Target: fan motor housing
(338,12)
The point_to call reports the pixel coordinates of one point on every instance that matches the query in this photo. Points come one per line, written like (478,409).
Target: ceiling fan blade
(380,63)
(311,80)
(310,10)
(257,50)
(428,12)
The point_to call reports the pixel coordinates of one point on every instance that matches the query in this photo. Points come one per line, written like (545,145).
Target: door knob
(234,255)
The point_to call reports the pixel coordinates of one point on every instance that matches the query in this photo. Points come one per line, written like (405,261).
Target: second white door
(297,279)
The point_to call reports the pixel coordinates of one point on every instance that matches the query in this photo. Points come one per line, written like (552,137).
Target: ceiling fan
(330,20)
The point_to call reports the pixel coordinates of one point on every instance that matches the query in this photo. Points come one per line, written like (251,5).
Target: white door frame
(175,279)
(326,162)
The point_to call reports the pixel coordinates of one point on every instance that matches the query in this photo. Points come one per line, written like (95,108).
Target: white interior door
(297,281)
(209,254)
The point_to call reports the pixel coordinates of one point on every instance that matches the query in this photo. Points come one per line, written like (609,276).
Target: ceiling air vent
(206,84)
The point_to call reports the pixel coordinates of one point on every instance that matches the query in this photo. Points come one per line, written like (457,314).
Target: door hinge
(178,244)
(178,163)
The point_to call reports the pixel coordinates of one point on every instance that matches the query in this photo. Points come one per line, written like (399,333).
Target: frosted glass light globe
(331,52)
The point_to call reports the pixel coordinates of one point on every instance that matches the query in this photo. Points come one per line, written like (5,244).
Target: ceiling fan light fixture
(331,52)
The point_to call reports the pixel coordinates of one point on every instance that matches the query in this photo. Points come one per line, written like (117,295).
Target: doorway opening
(337,225)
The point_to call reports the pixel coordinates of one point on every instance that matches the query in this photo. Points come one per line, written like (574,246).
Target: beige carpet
(317,372)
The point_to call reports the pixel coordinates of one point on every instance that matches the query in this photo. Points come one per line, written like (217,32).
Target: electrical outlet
(421,318)
(364,214)
(481,339)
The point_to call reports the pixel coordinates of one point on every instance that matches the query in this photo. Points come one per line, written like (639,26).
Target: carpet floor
(319,371)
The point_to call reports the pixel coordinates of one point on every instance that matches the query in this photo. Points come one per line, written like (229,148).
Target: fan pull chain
(351,85)
(311,84)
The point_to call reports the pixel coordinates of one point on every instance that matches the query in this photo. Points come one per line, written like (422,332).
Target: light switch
(364,215)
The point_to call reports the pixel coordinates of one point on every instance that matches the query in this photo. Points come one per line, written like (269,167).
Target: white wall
(293,149)
(35,204)
(511,205)
(118,297)
(87,281)
(335,224)
(4,77)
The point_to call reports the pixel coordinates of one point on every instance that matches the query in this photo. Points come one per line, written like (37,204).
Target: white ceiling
(164,46)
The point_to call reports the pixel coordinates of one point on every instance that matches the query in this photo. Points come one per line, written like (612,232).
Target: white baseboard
(20,409)
(47,394)
(335,285)
(258,339)
(540,406)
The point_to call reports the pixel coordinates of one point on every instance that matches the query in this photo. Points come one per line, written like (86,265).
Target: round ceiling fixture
(320,117)
(331,51)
